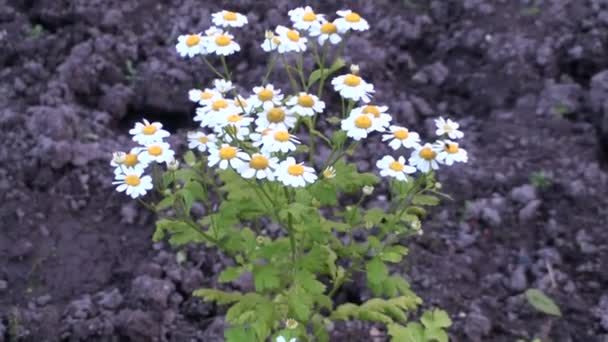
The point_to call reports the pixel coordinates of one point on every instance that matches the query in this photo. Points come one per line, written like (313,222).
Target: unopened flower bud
(438,186)
(268,34)
(260,240)
(276,40)
(291,323)
(354,69)
(416,225)
(368,190)
(172,165)
(119,157)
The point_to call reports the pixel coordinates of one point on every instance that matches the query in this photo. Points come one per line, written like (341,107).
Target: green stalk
(217,73)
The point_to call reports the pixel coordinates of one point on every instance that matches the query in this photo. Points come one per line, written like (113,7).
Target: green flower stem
(290,230)
(147,205)
(300,70)
(323,76)
(225,65)
(194,225)
(351,105)
(217,73)
(294,84)
(273,61)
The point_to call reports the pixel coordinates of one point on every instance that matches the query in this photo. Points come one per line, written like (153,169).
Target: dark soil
(527,80)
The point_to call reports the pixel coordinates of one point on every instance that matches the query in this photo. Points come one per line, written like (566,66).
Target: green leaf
(165,203)
(413,332)
(309,282)
(266,277)
(325,191)
(190,158)
(376,275)
(436,319)
(180,231)
(428,200)
(239,334)
(542,302)
(374,216)
(230,274)
(338,139)
(334,120)
(325,72)
(435,334)
(197,190)
(390,257)
(319,328)
(299,306)
(217,296)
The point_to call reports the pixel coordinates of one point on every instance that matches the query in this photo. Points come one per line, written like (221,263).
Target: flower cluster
(129,167)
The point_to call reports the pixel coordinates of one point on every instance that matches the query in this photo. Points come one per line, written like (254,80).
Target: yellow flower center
(275,115)
(227,152)
(352,80)
(396,166)
(309,16)
(148,129)
(203,140)
(427,154)
(192,40)
(234,118)
(353,17)
(155,150)
(205,95)
(132,180)
(372,110)
(363,121)
(447,128)
(230,16)
(281,136)
(219,104)
(222,40)
(329,28)
(401,134)
(131,159)
(258,162)
(293,35)
(265,95)
(451,148)
(306,101)
(295,170)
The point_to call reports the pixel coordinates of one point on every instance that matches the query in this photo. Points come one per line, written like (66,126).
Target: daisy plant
(254,162)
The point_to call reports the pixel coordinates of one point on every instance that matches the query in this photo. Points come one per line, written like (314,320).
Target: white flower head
(235,119)
(257,136)
(380,119)
(225,156)
(260,166)
(131,160)
(132,182)
(146,132)
(173,165)
(358,125)
(424,158)
(304,17)
(229,19)
(266,97)
(276,117)
(278,140)
(211,113)
(396,168)
(291,40)
(271,42)
(293,174)
(305,105)
(231,132)
(448,127)
(190,45)
(282,339)
(401,136)
(201,141)
(353,87)
(159,152)
(243,105)
(350,20)
(222,86)
(203,97)
(222,44)
(449,152)
(329,172)
(326,31)
(119,157)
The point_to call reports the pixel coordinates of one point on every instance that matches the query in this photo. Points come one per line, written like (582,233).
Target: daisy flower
(231,132)
(159,152)
(210,114)
(329,172)
(200,141)
(190,45)
(380,119)
(256,137)
(275,117)
(266,97)
(226,155)
(351,21)
(448,127)
(131,160)
(401,136)
(132,182)
(389,167)
(305,105)
(303,17)
(203,97)
(222,85)
(290,40)
(358,126)
(259,166)
(278,141)
(222,44)
(235,120)
(326,30)
(293,174)
(271,42)
(449,152)
(229,19)
(424,158)
(146,132)
(282,339)
(351,86)
(244,106)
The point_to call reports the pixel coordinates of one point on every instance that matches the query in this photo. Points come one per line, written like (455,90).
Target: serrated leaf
(374,216)
(230,274)
(376,275)
(190,158)
(428,200)
(391,257)
(239,334)
(413,332)
(266,277)
(325,72)
(165,203)
(217,296)
(542,302)
(436,319)
(309,282)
